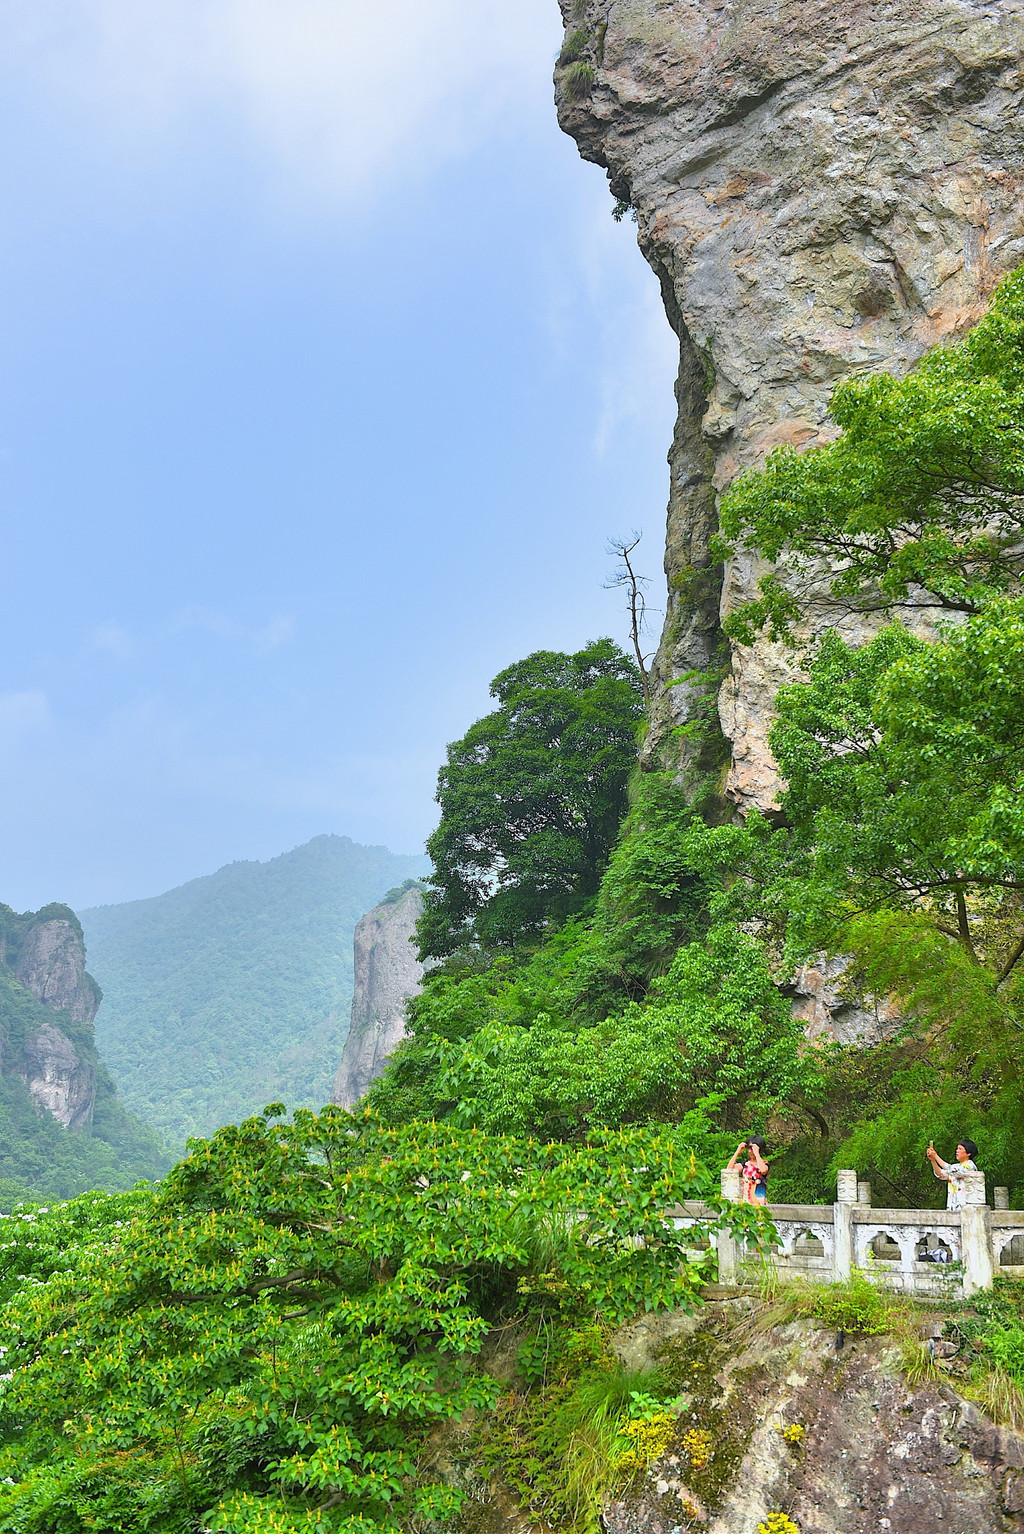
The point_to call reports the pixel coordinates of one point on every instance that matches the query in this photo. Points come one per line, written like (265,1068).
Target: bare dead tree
(624,576)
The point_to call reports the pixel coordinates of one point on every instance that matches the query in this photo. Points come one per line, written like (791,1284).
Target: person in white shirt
(951,1172)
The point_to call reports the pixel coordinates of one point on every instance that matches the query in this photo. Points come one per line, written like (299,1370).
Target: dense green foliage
(265,1342)
(531,800)
(38,1157)
(994,1336)
(714,1030)
(901,846)
(919,502)
(905,763)
(273,1339)
(655,1006)
(237,987)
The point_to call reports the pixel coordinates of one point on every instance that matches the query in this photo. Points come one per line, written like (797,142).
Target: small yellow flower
(699,1445)
(777,1523)
(794,1434)
(647,1439)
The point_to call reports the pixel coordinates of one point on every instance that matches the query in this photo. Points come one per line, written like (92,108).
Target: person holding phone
(754,1171)
(951,1172)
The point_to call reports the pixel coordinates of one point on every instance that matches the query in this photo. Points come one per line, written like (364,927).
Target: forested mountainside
(236,988)
(63,1127)
(463,1309)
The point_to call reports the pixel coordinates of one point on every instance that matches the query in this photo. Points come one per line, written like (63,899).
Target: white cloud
(258,640)
(335,94)
(113,639)
(276,632)
(21,714)
(642,354)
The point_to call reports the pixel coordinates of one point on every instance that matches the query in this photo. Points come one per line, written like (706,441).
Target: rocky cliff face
(867,1452)
(42,957)
(822,189)
(872,1453)
(50,962)
(387,973)
(59,1079)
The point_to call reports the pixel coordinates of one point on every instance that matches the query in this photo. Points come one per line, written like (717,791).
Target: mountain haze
(234,990)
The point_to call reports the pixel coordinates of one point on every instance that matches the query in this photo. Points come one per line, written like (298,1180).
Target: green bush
(271,1335)
(573,47)
(855,1306)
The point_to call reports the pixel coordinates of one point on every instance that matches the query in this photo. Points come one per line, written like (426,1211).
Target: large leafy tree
(905,765)
(715,1045)
(264,1344)
(531,800)
(905,770)
(918,503)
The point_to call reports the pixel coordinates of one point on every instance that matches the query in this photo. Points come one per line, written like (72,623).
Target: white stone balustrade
(824,1243)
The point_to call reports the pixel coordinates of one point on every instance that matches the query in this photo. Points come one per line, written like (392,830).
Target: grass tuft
(999,1396)
(573,48)
(578,81)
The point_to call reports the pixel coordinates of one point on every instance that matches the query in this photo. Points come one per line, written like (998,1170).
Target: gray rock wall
(823,189)
(51,964)
(387,974)
(874,1453)
(44,953)
(59,1080)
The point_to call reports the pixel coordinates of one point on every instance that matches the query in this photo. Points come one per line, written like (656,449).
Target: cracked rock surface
(823,189)
(876,1454)
(387,973)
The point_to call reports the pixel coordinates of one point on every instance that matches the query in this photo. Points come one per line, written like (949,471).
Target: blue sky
(325,377)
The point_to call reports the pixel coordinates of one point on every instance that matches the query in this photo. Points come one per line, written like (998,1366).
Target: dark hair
(969,1146)
(759,1142)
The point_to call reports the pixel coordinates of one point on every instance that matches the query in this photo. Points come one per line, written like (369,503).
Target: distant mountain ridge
(234,990)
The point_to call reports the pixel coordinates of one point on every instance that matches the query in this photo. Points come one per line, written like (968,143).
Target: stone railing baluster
(822,1244)
(726,1246)
(842,1221)
(975,1234)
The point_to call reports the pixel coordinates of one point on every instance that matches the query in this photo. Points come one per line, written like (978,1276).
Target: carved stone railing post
(842,1224)
(975,1234)
(864,1194)
(724,1242)
(1000,1198)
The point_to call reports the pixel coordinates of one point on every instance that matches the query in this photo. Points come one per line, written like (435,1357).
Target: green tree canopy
(905,764)
(715,1039)
(919,502)
(263,1344)
(531,800)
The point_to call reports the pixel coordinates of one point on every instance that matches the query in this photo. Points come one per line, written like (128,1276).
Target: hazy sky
(325,377)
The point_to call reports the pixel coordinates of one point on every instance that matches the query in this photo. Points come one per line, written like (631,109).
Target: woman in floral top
(754,1172)
(951,1173)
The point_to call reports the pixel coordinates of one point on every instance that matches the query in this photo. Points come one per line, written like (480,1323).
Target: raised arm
(737,1153)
